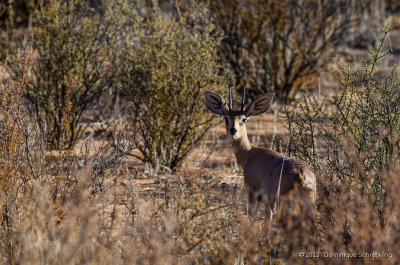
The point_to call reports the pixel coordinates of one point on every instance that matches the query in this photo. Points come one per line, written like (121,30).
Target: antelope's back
(268,168)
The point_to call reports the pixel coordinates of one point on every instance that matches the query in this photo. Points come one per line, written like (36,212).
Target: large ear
(215,103)
(259,106)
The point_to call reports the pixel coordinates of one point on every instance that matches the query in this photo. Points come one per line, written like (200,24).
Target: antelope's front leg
(252,206)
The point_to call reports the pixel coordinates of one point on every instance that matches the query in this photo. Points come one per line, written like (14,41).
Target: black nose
(233,130)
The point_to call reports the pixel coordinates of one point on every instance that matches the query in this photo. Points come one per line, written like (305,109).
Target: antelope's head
(235,119)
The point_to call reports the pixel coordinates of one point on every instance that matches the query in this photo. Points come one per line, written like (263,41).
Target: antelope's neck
(241,149)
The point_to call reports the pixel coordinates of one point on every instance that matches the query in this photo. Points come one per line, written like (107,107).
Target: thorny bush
(355,134)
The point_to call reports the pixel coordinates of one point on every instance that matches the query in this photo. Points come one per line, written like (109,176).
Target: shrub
(38,188)
(167,65)
(274,45)
(353,135)
(21,153)
(71,68)
(11,136)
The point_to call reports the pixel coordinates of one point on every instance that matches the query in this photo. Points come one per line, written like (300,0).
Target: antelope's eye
(243,121)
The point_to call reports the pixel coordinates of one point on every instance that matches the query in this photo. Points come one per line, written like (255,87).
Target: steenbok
(267,173)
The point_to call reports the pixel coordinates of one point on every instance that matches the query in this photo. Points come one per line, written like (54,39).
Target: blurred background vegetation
(268,45)
(87,85)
